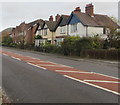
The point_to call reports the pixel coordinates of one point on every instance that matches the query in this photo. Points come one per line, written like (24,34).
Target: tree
(114,19)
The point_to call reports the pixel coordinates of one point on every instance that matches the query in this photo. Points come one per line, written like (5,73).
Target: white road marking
(101,81)
(111,62)
(92,84)
(36,66)
(107,75)
(5,54)
(67,66)
(88,73)
(16,58)
(73,71)
(33,58)
(48,65)
(59,64)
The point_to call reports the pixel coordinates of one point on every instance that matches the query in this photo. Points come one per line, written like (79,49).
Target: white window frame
(45,31)
(73,28)
(62,30)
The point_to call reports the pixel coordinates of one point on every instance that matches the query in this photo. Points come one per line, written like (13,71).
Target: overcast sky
(13,13)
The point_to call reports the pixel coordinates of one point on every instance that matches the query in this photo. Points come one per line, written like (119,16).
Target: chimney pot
(57,17)
(51,18)
(89,9)
(77,9)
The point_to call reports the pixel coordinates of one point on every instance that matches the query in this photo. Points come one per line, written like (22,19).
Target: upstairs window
(62,30)
(39,32)
(73,28)
(45,31)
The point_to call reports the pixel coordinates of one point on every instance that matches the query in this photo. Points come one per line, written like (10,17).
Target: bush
(73,45)
(83,43)
(69,45)
(38,37)
(48,47)
(13,45)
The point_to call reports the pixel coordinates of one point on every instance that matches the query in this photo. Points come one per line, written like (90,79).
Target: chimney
(89,9)
(51,18)
(57,17)
(77,9)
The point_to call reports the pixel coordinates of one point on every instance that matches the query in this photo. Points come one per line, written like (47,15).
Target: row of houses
(78,23)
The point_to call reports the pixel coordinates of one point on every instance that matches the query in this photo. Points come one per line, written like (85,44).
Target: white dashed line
(101,81)
(92,84)
(36,66)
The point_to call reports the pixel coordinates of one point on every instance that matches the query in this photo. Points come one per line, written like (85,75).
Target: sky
(12,12)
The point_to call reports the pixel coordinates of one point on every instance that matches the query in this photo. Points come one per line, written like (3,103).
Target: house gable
(73,19)
(45,26)
(39,27)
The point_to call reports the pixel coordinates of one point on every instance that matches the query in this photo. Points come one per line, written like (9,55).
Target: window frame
(62,30)
(73,28)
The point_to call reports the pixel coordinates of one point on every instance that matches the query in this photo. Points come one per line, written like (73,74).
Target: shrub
(68,45)
(38,37)
(13,45)
(83,43)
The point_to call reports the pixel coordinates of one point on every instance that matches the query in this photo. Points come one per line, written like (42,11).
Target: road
(26,83)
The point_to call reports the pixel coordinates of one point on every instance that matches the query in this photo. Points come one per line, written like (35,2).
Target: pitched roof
(51,25)
(104,20)
(36,22)
(97,20)
(62,21)
(39,21)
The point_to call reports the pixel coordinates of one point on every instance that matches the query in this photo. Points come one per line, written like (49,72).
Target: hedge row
(101,54)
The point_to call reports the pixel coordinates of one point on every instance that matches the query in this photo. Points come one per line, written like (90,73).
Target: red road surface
(101,81)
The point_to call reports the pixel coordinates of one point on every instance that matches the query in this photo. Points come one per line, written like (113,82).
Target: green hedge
(100,54)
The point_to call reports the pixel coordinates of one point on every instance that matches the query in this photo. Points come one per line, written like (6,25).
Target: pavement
(57,80)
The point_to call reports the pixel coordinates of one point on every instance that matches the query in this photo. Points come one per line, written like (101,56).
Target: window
(45,31)
(73,28)
(38,32)
(62,30)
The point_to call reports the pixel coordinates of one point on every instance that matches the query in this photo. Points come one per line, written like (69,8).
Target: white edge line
(91,84)
(36,66)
